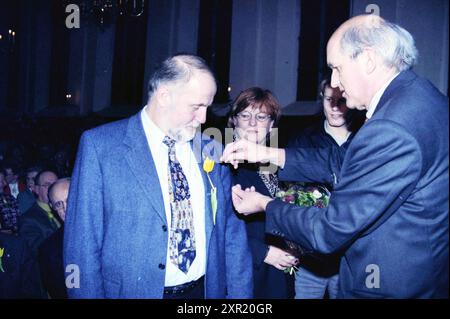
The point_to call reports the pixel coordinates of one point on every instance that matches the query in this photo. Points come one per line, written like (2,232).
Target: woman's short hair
(257,98)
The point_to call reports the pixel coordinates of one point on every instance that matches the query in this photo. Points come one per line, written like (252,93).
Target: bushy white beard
(183,135)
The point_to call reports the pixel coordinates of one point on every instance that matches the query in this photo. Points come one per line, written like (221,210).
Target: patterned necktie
(182,235)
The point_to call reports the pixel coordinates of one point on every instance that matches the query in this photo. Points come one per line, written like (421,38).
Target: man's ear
(163,96)
(370,61)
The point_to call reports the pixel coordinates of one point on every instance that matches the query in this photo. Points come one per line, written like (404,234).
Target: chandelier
(105,12)
(8,41)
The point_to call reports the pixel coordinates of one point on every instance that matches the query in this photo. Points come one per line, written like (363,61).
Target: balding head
(177,69)
(392,43)
(364,53)
(57,195)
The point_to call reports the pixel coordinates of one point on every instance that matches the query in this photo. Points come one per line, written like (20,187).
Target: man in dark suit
(51,250)
(38,222)
(142,220)
(388,212)
(19,272)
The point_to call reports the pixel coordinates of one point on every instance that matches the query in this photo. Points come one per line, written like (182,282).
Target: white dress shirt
(376,98)
(14,188)
(188,162)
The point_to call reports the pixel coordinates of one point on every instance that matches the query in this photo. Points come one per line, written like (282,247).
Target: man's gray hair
(177,69)
(393,43)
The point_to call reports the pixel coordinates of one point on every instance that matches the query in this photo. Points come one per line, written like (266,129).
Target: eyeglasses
(59,205)
(260,117)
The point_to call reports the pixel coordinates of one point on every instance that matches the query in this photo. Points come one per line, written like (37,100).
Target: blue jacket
(116,230)
(389,209)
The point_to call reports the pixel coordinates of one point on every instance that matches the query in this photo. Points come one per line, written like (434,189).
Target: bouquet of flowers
(305,195)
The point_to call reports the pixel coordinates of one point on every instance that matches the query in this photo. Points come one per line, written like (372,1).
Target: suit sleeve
(309,164)
(238,259)
(83,232)
(377,169)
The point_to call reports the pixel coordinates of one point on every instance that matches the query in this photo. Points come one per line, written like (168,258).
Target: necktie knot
(169,142)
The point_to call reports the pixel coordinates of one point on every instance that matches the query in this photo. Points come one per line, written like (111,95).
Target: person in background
(9,210)
(253,115)
(27,198)
(50,252)
(318,275)
(38,222)
(13,185)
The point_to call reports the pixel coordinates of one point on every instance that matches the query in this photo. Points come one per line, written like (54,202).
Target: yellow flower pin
(2,251)
(208,166)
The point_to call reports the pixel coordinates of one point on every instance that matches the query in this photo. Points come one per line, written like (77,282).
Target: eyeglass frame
(239,116)
(59,204)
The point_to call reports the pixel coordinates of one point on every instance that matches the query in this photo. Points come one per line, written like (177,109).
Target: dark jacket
(269,282)
(19,272)
(389,210)
(51,265)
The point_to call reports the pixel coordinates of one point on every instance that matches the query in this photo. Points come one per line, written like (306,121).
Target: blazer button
(164,228)
(161,266)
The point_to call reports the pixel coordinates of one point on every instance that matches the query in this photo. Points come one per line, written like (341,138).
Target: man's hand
(248,201)
(252,152)
(279,258)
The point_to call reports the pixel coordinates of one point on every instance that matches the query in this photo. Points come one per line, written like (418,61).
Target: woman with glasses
(254,114)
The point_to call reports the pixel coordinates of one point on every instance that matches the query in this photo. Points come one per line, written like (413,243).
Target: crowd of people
(155,209)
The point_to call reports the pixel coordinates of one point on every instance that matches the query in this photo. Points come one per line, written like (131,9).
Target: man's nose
(334,79)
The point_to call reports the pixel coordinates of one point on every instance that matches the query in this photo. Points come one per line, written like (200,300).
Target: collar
(44,206)
(151,128)
(376,98)
(338,140)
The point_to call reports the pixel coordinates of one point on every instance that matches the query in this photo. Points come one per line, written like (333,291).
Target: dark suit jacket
(20,278)
(35,227)
(26,199)
(118,235)
(269,282)
(51,265)
(389,211)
